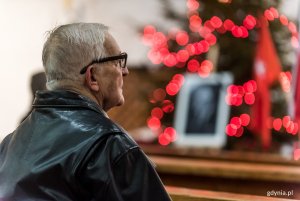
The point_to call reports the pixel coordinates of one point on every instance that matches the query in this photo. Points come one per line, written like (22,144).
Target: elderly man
(67,148)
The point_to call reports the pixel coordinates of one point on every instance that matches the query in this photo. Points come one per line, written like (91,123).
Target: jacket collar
(64,98)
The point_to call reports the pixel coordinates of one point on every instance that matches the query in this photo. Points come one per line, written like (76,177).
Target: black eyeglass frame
(123,55)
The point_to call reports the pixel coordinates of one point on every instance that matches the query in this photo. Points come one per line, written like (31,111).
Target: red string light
(171,133)
(269,15)
(231,129)
(182,38)
(216,22)
(249,98)
(236,121)
(239,132)
(157,112)
(284,20)
(195,23)
(154,123)
(205,68)
(286,120)
(237,31)
(277,124)
(249,22)
(191,49)
(211,39)
(159,53)
(228,25)
(170,60)
(245,119)
(182,56)
(163,140)
(159,94)
(193,65)
(167,106)
(172,89)
(274,12)
(296,129)
(192,5)
(285,81)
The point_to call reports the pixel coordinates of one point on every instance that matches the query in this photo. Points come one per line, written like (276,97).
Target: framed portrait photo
(201,112)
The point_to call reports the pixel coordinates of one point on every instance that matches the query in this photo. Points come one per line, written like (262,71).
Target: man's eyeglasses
(122,60)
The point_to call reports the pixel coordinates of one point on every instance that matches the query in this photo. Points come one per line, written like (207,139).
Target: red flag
(295,103)
(266,70)
(296,91)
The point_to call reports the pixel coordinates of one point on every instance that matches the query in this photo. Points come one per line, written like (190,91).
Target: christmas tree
(231,30)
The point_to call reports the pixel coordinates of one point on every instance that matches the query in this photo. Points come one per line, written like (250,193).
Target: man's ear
(91,80)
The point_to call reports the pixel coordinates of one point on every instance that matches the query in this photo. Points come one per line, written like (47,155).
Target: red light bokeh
(159,94)
(193,65)
(292,27)
(216,22)
(236,121)
(167,106)
(274,12)
(245,119)
(191,49)
(163,139)
(249,98)
(157,112)
(170,60)
(249,22)
(237,31)
(239,132)
(277,124)
(195,23)
(179,79)
(284,20)
(182,56)
(211,39)
(182,38)
(269,15)
(171,133)
(228,25)
(153,123)
(192,5)
(172,89)
(231,129)
(286,120)
(160,53)
(296,129)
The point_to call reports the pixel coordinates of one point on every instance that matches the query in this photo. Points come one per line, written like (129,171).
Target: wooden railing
(231,174)
(218,154)
(184,194)
(227,169)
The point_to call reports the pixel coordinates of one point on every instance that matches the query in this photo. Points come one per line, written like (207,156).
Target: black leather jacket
(67,149)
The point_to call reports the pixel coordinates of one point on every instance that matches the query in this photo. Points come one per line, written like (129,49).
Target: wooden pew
(218,154)
(214,168)
(233,174)
(184,194)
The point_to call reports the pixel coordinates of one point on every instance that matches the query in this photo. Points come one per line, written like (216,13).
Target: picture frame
(201,112)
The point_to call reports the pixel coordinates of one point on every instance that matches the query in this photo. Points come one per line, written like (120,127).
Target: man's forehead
(111,45)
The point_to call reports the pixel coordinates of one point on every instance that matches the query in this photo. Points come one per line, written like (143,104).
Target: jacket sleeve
(133,178)
(118,170)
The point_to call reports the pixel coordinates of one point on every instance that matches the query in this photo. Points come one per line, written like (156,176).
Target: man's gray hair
(68,49)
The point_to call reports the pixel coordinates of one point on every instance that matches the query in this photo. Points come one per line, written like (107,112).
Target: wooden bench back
(185,194)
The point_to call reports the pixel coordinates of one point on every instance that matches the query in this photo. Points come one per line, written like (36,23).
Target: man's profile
(67,148)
